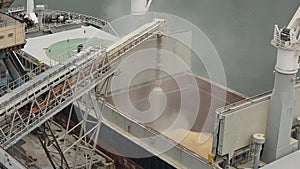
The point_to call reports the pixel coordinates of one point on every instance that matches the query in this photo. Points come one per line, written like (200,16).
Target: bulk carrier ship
(68,99)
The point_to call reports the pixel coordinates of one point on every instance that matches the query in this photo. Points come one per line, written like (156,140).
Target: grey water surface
(240,30)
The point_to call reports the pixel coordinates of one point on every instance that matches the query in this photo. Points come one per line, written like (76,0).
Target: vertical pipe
(282,103)
(30,7)
(259,140)
(40,9)
(157,96)
(140,7)
(158,61)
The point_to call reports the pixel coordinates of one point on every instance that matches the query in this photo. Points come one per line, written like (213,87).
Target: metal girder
(41,98)
(47,138)
(78,141)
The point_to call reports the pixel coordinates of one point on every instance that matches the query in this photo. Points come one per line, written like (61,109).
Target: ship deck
(197,137)
(194,132)
(39,46)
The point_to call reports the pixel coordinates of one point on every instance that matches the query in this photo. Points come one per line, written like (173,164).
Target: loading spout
(30,11)
(140,7)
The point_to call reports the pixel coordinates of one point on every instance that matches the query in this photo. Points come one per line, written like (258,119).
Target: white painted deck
(36,46)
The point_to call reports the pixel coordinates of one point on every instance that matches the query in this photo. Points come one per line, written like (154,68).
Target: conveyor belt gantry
(53,90)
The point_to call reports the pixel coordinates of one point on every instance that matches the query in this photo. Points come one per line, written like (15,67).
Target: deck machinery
(271,119)
(31,105)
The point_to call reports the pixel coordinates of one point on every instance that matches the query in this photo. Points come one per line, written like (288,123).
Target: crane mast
(282,104)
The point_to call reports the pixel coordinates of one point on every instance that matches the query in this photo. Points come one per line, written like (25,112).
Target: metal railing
(102,24)
(56,88)
(15,9)
(21,80)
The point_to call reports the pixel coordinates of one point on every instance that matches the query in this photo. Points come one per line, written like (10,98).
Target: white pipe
(30,7)
(140,7)
(259,140)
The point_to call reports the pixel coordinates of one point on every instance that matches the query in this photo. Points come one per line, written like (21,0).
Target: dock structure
(55,89)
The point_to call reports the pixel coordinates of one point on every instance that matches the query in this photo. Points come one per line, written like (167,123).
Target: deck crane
(282,104)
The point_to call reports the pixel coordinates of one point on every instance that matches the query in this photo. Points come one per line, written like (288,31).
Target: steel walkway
(27,107)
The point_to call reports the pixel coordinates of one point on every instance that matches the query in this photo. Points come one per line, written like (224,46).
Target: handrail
(56,88)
